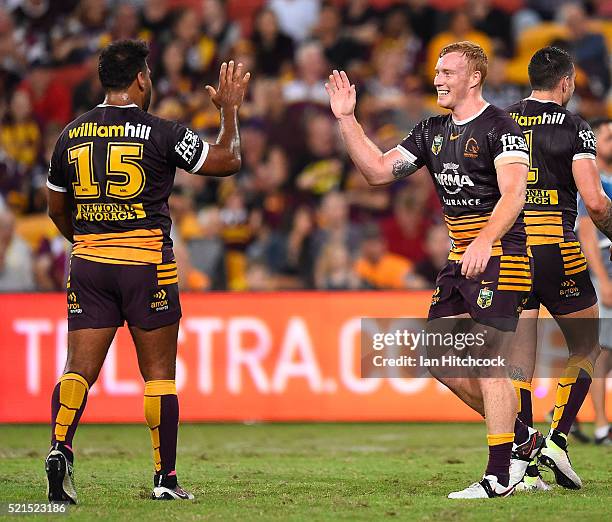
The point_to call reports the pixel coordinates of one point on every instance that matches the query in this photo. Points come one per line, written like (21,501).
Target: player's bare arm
(587,234)
(60,213)
(597,203)
(224,157)
(376,167)
(512,181)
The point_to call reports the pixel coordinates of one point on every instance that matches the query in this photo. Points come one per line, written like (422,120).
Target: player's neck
(468,108)
(119,98)
(547,96)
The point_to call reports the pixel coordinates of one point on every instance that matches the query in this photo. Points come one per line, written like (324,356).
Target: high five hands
(229,94)
(342,95)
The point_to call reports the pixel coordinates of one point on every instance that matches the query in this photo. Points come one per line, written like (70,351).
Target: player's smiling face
(452,79)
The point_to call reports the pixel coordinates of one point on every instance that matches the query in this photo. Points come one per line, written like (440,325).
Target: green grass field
(296,472)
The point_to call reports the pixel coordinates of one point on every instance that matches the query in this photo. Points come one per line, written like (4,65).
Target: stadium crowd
(298,214)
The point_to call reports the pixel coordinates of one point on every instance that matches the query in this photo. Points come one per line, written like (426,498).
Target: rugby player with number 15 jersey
(477,158)
(110,177)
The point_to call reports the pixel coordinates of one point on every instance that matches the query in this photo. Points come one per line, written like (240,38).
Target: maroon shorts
(495,298)
(102,295)
(561,280)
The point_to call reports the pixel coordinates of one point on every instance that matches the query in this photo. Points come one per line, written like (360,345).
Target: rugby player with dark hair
(561,165)
(477,157)
(110,176)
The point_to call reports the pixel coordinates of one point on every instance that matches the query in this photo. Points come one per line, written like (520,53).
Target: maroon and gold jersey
(462,157)
(117,166)
(556,138)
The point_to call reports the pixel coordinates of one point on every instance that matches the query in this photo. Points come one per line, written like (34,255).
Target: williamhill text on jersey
(128,129)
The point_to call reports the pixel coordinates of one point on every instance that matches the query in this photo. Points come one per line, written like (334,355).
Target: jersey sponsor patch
(513,143)
(188,146)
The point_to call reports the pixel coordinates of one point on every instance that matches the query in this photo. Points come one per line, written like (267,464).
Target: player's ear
(476,77)
(141,80)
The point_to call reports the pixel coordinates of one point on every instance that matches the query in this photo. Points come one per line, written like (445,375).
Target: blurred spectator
(50,98)
(460,29)
(207,251)
(494,22)
(15,257)
(340,50)
(497,90)
(360,20)
(405,231)
(258,277)
(12,54)
(125,24)
(34,20)
(218,27)
(239,228)
(171,77)
(155,20)
(296,17)
(200,50)
(386,86)
(588,48)
(334,269)
(321,167)
(50,263)
(379,269)
(334,225)
(397,36)
(35,186)
(88,92)
(437,246)
(19,132)
(423,19)
(273,48)
(291,254)
(13,180)
(309,85)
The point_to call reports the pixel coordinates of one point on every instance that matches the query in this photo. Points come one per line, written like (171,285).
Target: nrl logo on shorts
(436,146)
(485,298)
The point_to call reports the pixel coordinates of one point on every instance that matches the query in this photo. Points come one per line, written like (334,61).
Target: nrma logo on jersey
(450,179)
(128,129)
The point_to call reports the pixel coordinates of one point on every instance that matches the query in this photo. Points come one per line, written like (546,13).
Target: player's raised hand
(475,258)
(342,95)
(229,94)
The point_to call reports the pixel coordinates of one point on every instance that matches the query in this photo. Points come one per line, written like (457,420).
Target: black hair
(548,66)
(120,62)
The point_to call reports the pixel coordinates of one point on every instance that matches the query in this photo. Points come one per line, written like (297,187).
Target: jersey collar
(473,117)
(541,101)
(118,106)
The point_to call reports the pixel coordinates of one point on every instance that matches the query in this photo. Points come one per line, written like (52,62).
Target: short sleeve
(412,146)
(187,150)
(56,179)
(585,143)
(509,145)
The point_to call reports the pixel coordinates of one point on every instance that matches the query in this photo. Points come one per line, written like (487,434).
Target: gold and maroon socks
(67,405)
(500,450)
(162,415)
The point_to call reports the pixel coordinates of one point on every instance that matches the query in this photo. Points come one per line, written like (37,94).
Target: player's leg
(580,330)
(527,440)
(495,299)
(152,308)
(93,317)
(603,434)
(598,396)
(86,353)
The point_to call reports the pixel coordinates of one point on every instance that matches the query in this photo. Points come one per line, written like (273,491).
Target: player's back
(556,138)
(117,165)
